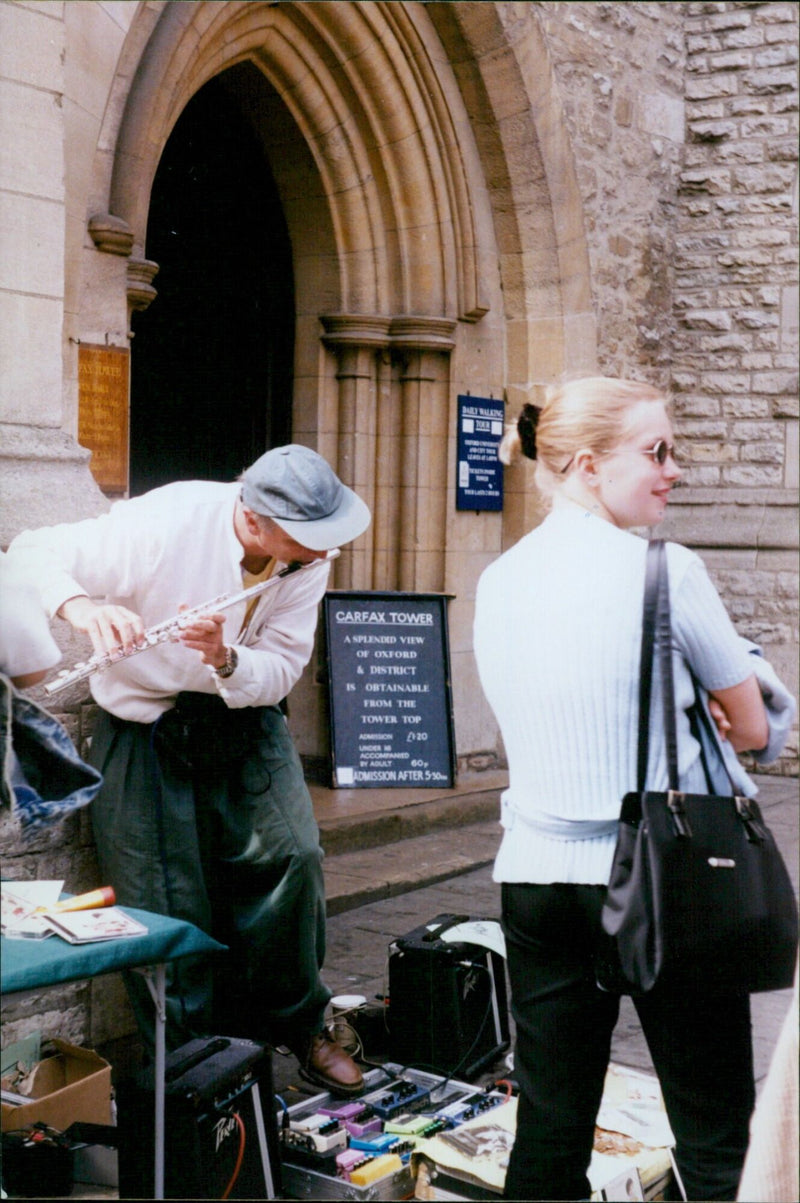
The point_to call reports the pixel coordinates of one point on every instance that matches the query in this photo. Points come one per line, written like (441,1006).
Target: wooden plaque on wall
(103,413)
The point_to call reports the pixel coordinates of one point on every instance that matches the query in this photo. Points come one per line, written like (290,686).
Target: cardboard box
(74,1084)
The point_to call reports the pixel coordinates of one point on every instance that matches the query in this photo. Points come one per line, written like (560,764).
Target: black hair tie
(527,422)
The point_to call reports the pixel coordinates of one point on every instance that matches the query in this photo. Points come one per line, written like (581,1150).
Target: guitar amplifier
(447,1012)
(220,1137)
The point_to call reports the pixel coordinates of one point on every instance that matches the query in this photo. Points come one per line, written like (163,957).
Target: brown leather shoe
(325,1063)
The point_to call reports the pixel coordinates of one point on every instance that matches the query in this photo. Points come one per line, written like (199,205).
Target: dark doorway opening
(211,373)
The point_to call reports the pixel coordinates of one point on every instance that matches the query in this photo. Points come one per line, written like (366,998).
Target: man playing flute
(204,814)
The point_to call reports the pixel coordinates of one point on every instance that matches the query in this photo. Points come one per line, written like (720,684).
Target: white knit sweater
(176,545)
(557,640)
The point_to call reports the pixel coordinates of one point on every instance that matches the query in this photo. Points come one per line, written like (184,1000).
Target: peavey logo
(222,1128)
(470,982)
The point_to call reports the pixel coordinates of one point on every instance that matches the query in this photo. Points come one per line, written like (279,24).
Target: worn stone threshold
(356,819)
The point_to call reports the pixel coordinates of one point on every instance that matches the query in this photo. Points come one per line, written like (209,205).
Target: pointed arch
(363,88)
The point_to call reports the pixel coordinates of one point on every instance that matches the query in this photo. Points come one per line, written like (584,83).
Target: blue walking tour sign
(479,482)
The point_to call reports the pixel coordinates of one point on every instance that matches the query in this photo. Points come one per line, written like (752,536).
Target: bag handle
(747,808)
(701,719)
(657,636)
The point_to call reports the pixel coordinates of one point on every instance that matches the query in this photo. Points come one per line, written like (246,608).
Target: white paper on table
(20,899)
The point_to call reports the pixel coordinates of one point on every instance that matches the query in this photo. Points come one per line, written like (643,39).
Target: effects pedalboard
(332,1149)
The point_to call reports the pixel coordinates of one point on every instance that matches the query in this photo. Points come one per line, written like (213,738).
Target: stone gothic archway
(392,238)
(416,149)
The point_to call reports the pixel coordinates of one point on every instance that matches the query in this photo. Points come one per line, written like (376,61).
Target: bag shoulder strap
(657,635)
(646,661)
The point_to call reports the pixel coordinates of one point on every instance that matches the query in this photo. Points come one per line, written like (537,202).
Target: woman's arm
(716,654)
(744,720)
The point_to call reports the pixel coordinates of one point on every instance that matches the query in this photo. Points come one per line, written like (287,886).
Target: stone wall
(620,74)
(736,247)
(683,123)
(736,342)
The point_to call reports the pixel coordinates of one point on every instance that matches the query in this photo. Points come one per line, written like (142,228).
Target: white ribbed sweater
(557,640)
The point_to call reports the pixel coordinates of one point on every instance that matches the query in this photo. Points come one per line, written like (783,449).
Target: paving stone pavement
(394,876)
(359,938)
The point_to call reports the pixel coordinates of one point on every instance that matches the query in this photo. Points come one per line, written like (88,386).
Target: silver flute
(165,632)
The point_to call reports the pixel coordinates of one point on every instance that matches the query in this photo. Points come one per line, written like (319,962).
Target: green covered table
(27,965)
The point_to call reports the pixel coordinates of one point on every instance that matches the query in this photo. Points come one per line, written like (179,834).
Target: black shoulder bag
(699,896)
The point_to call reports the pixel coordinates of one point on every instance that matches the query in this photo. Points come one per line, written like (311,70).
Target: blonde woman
(557,641)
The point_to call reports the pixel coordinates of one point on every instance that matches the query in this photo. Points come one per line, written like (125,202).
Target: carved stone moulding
(422,333)
(111,235)
(407,332)
(141,273)
(355,330)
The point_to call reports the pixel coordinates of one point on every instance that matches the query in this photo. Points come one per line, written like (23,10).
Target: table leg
(158,993)
(160,1050)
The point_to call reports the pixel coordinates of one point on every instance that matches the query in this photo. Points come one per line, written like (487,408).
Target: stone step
(382,843)
(355,820)
(355,878)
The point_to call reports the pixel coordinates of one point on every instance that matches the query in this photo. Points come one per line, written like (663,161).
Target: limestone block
(44,478)
(308,709)
(775,382)
(464,570)
(753,475)
(716,452)
(30,48)
(476,726)
(56,1012)
(31,245)
(706,87)
(95,34)
(707,319)
(747,407)
(754,36)
(111,1013)
(662,115)
(707,109)
(726,382)
(730,525)
(30,351)
(727,19)
(770,177)
(460,617)
(790,315)
(736,60)
(792,460)
(31,150)
(714,181)
(535,349)
(103,298)
(769,80)
(763,453)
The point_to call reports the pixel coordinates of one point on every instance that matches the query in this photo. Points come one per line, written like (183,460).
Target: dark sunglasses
(660,451)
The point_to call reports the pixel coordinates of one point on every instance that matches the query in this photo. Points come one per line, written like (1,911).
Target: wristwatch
(231,662)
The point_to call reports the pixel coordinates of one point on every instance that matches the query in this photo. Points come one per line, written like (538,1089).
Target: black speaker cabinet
(447,1002)
(220,1139)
